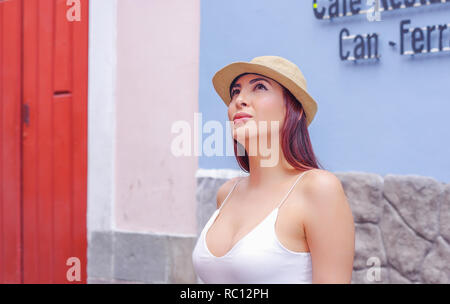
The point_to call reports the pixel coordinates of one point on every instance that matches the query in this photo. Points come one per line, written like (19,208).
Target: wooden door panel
(10,140)
(55,149)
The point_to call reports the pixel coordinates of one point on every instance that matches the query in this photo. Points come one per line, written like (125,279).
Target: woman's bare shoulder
(324,190)
(224,189)
(316,179)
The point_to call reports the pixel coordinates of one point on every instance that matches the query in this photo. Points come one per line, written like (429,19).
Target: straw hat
(277,68)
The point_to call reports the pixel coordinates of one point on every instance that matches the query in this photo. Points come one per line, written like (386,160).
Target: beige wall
(156,83)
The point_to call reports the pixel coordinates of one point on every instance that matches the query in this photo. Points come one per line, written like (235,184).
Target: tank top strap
(232,189)
(292,187)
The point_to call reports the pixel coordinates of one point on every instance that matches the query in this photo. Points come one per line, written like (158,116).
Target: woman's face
(260,97)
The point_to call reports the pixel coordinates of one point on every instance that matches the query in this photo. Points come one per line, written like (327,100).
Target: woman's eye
(260,85)
(234,91)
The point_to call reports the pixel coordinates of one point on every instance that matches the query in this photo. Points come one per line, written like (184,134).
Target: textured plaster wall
(157,84)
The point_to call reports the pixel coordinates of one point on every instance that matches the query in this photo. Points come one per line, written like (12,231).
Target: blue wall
(390,116)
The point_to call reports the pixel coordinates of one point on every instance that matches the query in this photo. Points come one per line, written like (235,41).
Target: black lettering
(369,44)
(429,30)
(359,49)
(385,4)
(319,15)
(410,3)
(343,57)
(395,5)
(441,29)
(333,9)
(402,32)
(417,38)
(355,10)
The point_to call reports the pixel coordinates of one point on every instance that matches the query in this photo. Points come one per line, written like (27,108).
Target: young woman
(288,221)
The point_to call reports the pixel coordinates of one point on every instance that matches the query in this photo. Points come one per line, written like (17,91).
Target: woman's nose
(241,101)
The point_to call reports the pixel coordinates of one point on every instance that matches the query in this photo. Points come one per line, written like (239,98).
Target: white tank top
(257,258)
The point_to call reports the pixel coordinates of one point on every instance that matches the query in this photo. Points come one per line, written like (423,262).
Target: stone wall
(402,225)
(404,222)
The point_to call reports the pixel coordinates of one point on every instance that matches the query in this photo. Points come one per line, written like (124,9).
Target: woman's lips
(241,120)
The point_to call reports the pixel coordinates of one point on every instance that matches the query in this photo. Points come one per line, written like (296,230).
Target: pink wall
(157,83)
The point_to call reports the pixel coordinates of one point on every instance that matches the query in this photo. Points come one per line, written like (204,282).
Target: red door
(53,141)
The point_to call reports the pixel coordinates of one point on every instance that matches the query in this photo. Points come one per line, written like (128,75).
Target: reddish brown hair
(295,141)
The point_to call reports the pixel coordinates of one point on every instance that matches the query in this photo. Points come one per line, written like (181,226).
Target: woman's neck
(264,173)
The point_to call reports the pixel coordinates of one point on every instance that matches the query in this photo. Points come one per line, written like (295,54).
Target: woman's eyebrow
(256,79)
(251,81)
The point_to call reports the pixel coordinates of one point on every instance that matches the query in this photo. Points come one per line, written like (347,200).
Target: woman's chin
(242,136)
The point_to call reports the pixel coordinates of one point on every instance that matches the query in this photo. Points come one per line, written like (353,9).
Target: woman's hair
(295,141)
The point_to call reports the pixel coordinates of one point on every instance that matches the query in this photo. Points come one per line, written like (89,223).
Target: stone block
(396,278)
(368,245)
(181,269)
(364,192)
(444,220)
(436,266)
(100,255)
(405,250)
(141,257)
(416,199)
(207,188)
(366,276)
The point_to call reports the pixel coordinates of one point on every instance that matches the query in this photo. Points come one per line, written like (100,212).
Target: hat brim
(223,78)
